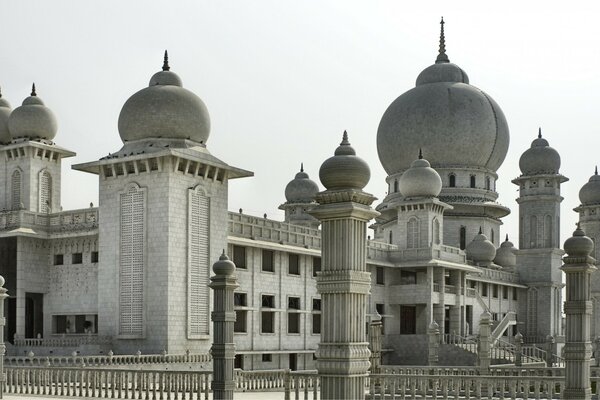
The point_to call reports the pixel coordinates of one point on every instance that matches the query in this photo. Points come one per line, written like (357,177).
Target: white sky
(282,79)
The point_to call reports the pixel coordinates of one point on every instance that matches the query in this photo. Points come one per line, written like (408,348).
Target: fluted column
(578,266)
(223,283)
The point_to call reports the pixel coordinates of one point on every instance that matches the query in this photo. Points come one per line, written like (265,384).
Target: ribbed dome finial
(345,138)
(33,93)
(442,57)
(540,132)
(506,240)
(420,154)
(165,66)
(301,167)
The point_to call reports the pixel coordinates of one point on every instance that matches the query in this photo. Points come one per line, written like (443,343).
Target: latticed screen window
(16,190)
(198,273)
(412,234)
(45,192)
(131,274)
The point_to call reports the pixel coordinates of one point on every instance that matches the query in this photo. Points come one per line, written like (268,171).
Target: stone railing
(63,341)
(105,360)
(500,276)
(439,252)
(64,221)
(379,250)
(108,384)
(257,228)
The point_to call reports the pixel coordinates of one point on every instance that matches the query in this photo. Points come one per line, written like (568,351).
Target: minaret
(300,195)
(162,218)
(539,257)
(344,282)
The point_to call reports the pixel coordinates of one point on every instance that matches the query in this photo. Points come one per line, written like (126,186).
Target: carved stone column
(433,333)
(484,344)
(578,266)
(223,349)
(518,350)
(344,281)
(375,330)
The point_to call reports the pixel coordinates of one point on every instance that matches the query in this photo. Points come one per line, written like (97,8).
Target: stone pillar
(549,351)
(433,332)
(375,330)
(439,310)
(597,351)
(518,349)
(344,282)
(485,343)
(578,266)
(223,283)
(3,296)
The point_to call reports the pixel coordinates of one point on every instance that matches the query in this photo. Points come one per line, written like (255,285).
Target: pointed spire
(33,93)
(0,92)
(345,138)
(506,238)
(165,66)
(539,132)
(420,154)
(596,170)
(480,231)
(442,57)
(301,167)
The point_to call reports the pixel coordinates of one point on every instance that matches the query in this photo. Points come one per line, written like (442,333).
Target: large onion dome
(505,255)
(578,245)
(224,266)
(590,192)
(481,250)
(5,111)
(301,189)
(420,180)
(32,120)
(460,124)
(540,158)
(164,110)
(344,170)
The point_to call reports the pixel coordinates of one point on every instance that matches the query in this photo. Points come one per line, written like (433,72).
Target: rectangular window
(76,258)
(408,277)
(495,291)
(239,256)
(379,276)
(484,289)
(294,264)
(505,292)
(293,317)
(241,316)
(316,316)
(94,257)
(316,261)
(59,259)
(267,323)
(514,295)
(267,357)
(267,261)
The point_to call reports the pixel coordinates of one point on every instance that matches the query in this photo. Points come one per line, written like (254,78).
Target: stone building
(132,274)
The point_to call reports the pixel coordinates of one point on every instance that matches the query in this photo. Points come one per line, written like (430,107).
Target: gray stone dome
(301,189)
(540,158)
(505,254)
(460,124)
(590,192)
(5,111)
(481,250)
(164,110)
(420,180)
(224,266)
(32,120)
(344,170)
(578,245)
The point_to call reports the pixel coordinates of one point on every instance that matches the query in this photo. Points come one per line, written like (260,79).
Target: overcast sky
(283,79)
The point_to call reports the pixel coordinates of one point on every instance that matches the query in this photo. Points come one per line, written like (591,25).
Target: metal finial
(33,93)
(301,167)
(442,57)
(420,154)
(596,170)
(480,231)
(506,238)
(166,62)
(345,138)
(0,92)
(539,132)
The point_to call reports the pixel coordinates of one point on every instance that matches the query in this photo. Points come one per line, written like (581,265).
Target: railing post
(287,384)
(223,283)
(597,351)
(518,349)
(3,296)
(549,350)
(484,344)
(433,333)
(375,330)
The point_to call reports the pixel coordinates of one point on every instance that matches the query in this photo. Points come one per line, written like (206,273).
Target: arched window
(412,233)
(533,232)
(396,186)
(462,234)
(472,181)
(487,183)
(436,231)
(16,190)
(548,231)
(452,179)
(45,192)
(391,237)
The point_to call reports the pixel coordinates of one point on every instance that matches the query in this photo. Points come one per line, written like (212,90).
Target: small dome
(590,192)
(505,254)
(32,120)
(344,170)
(420,180)
(540,158)
(481,250)
(224,266)
(579,245)
(164,110)
(5,111)
(442,72)
(301,189)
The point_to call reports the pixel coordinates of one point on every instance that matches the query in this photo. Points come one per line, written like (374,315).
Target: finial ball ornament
(224,266)
(344,170)
(579,245)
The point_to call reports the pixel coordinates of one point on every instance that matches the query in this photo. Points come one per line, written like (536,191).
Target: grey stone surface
(32,120)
